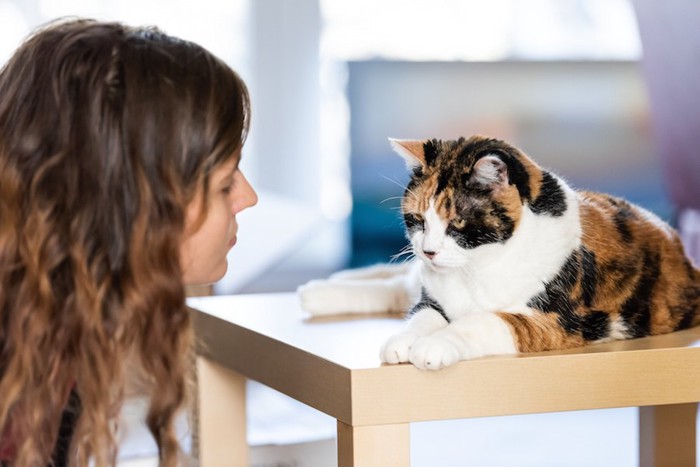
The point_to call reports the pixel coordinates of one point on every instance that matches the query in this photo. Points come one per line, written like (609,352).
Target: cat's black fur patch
(691,303)
(556,297)
(621,223)
(595,325)
(590,276)
(443,181)
(688,314)
(517,175)
(426,301)
(556,293)
(507,224)
(636,311)
(475,233)
(551,199)
(430,152)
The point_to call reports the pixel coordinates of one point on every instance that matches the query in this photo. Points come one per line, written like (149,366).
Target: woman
(119,185)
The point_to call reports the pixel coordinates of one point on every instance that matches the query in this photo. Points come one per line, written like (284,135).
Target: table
(332,364)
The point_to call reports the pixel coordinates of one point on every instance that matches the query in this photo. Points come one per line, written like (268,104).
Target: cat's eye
(413,220)
(459,223)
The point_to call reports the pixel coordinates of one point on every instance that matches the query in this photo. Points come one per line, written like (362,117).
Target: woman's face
(203,251)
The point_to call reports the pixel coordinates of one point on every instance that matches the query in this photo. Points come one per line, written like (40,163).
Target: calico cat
(511,259)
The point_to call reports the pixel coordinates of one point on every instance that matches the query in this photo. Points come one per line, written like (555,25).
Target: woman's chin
(208,278)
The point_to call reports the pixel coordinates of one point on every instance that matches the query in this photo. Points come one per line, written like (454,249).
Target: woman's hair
(106,133)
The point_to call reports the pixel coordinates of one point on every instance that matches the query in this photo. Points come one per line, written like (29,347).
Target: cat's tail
(384,288)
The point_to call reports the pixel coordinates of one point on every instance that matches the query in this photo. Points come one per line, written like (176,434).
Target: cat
(509,258)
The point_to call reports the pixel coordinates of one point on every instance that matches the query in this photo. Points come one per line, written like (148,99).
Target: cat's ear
(490,171)
(412,151)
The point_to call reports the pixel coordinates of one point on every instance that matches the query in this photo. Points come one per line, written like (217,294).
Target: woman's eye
(227,189)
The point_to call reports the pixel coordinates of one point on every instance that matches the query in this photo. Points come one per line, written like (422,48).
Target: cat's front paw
(434,353)
(397,348)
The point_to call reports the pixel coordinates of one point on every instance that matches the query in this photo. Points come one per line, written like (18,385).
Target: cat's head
(463,194)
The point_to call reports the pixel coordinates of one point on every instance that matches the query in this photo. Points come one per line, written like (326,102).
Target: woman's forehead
(230,164)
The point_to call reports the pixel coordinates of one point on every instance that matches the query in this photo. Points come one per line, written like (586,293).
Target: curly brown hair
(106,134)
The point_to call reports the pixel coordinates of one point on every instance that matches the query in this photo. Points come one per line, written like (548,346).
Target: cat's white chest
(459,295)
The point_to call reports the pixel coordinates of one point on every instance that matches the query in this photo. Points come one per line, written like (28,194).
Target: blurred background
(331,80)
(604,92)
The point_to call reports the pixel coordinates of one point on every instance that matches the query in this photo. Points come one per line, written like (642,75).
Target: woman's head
(110,139)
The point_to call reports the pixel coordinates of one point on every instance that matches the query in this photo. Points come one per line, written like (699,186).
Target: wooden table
(332,364)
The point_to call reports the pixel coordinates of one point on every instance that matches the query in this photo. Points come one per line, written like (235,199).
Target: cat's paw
(397,348)
(434,353)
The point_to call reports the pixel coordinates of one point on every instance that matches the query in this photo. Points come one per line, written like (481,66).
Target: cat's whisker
(396,258)
(395,182)
(391,198)
(403,251)
(411,192)
(407,250)
(403,186)
(405,254)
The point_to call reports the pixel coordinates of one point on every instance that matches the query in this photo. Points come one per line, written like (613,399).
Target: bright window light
(477,30)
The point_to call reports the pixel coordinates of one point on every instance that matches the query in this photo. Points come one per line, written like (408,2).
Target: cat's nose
(429,254)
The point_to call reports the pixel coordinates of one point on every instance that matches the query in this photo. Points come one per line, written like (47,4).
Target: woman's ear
(412,151)
(490,171)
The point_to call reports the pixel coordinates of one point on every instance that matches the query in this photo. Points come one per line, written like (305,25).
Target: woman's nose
(252,196)
(247,197)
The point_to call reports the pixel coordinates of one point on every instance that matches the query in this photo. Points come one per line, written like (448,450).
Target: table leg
(667,435)
(373,446)
(220,416)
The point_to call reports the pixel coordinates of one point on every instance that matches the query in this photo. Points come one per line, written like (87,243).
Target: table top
(332,364)
(352,342)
